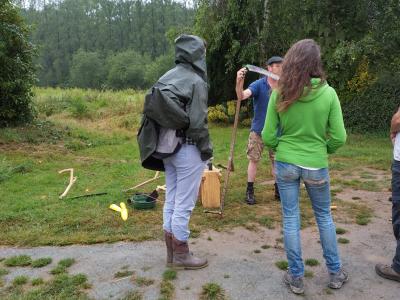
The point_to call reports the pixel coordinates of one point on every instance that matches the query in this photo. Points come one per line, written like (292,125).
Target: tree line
(104,43)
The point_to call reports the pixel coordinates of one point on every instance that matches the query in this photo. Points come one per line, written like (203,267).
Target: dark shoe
(277,196)
(387,272)
(250,200)
(183,259)
(296,284)
(168,243)
(338,279)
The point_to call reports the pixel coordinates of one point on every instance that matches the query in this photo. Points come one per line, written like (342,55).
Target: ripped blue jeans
(317,184)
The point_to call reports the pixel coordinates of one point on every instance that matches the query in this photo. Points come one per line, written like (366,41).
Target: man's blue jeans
(317,184)
(396,212)
(183,172)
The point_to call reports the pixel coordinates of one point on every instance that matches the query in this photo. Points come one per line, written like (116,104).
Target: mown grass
(62,287)
(95,133)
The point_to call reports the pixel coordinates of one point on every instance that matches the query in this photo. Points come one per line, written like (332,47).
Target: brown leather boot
(168,243)
(183,259)
(386,271)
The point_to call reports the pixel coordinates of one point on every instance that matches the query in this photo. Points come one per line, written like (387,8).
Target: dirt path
(233,264)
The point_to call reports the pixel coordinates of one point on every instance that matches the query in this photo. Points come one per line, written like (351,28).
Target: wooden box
(210,188)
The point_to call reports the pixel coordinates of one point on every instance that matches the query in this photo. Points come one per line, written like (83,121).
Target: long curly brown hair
(301,63)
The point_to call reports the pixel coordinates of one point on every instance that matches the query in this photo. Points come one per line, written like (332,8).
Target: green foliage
(17,68)
(363,218)
(7,170)
(18,261)
(66,262)
(311,262)
(37,281)
(282,264)
(127,70)
(100,28)
(343,240)
(340,230)
(169,274)
(41,262)
(87,70)
(373,108)
(267,222)
(61,287)
(359,42)
(158,67)
(212,291)
(20,280)
(3,272)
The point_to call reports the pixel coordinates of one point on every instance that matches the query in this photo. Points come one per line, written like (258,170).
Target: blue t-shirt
(260,93)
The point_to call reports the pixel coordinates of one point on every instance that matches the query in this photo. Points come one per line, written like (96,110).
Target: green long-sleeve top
(310,129)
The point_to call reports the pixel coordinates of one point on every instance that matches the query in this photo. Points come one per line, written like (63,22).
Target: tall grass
(120,108)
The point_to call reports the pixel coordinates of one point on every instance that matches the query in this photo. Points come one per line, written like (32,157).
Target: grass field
(95,133)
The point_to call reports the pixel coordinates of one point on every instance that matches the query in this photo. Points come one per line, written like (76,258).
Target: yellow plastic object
(115,207)
(122,209)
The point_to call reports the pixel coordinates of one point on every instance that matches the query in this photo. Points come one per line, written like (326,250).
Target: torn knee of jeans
(315,182)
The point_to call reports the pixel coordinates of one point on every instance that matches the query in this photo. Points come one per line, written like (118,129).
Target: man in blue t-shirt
(260,90)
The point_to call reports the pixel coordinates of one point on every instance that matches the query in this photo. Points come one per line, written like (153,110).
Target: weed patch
(343,241)
(212,291)
(311,262)
(41,262)
(18,261)
(282,264)
(169,274)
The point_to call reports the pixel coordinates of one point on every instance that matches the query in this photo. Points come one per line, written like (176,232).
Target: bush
(87,70)
(126,70)
(372,109)
(17,69)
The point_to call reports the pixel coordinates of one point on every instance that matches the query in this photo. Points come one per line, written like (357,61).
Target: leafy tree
(158,67)
(17,69)
(87,70)
(126,70)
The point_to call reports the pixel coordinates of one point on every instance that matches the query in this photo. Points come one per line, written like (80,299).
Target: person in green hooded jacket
(174,138)
(304,124)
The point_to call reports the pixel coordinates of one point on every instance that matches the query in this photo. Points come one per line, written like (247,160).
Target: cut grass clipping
(311,262)
(169,274)
(340,230)
(282,264)
(143,281)
(18,261)
(41,262)
(135,295)
(122,274)
(167,290)
(212,291)
(343,241)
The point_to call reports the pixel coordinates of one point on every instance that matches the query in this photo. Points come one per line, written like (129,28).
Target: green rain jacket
(178,100)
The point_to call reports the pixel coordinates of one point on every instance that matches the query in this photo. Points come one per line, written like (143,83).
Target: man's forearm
(239,91)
